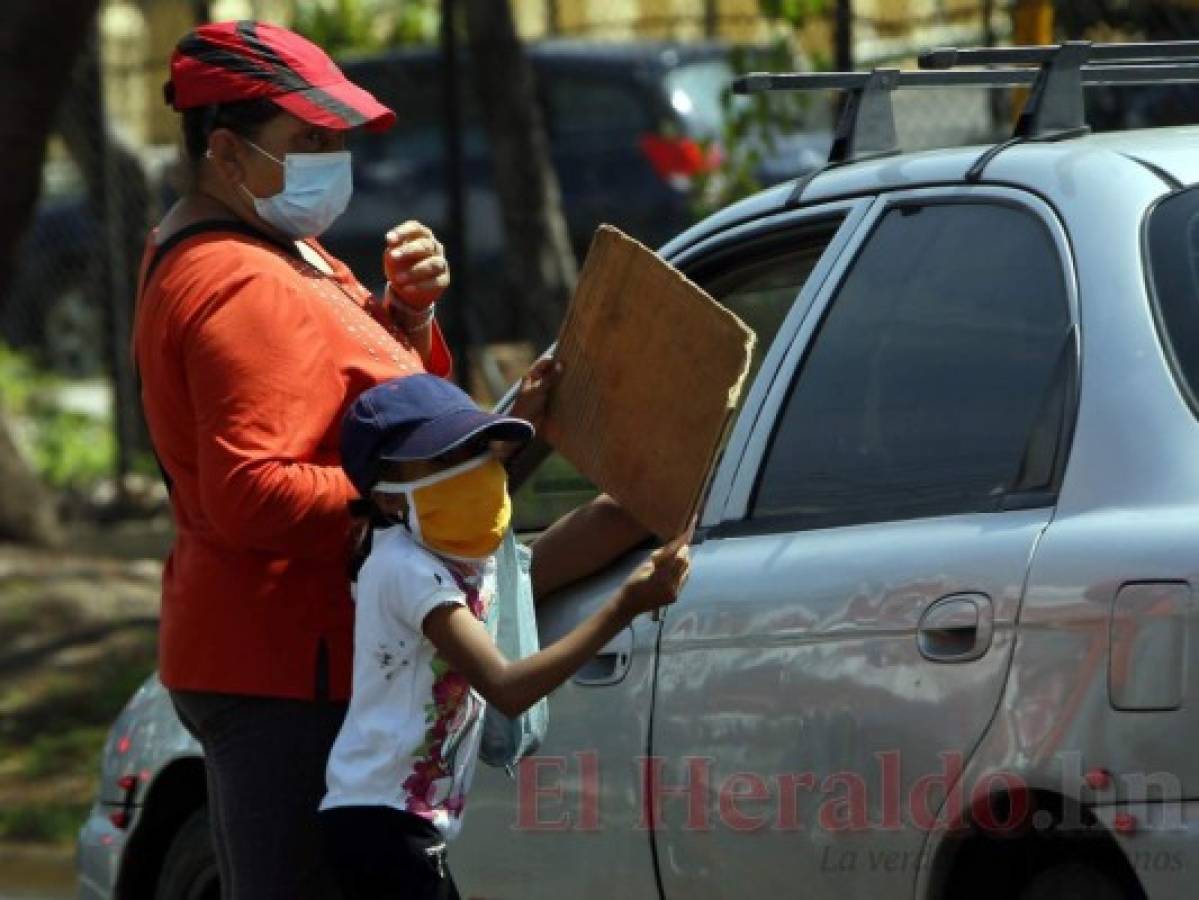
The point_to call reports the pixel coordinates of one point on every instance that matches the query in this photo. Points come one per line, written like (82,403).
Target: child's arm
(513,687)
(587,539)
(581,543)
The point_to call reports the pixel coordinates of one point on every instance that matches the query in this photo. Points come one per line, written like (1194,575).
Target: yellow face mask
(461,512)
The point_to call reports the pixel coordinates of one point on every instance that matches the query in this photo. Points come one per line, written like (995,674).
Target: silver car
(936,640)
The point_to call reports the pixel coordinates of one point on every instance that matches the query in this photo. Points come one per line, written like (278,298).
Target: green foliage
(67,447)
(63,752)
(751,125)
(361,26)
(793,12)
(42,822)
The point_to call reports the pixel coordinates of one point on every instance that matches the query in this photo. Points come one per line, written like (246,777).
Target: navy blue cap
(415,417)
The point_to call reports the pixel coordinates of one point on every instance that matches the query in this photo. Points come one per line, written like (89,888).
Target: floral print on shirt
(453,710)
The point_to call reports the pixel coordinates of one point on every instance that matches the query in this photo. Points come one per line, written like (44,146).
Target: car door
(846,633)
(570,823)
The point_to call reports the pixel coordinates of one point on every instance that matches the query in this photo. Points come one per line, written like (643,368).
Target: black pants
(265,760)
(380,853)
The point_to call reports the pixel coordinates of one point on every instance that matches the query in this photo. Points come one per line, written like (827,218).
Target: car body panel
(1170,149)
(572,816)
(771,200)
(146,739)
(1125,514)
(1163,848)
(811,668)
(99,850)
(825,681)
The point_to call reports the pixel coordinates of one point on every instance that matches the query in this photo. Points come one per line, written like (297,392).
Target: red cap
(230,61)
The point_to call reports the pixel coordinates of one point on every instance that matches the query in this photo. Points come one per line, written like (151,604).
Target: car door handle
(611,664)
(956,628)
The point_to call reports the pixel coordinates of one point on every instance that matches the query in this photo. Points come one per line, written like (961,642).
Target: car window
(921,391)
(759,285)
(694,92)
(418,137)
(1173,245)
(578,106)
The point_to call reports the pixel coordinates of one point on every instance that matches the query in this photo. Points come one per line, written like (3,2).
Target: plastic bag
(513,626)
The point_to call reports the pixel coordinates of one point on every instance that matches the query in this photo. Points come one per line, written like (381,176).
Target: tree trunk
(27,513)
(38,43)
(539,255)
(118,192)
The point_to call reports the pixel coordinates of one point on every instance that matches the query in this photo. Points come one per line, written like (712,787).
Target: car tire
(189,869)
(1073,881)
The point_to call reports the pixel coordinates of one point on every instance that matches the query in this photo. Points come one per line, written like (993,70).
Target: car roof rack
(1054,110)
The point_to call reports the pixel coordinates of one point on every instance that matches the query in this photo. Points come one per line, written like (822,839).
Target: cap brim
(451,430)
(341,106)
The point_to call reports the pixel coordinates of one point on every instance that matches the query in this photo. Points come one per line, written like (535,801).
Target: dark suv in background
(630,126)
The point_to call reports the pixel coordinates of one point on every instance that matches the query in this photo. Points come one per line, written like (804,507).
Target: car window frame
(734,518)
(851,212)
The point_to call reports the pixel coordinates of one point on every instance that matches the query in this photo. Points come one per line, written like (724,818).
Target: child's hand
(659,580)
(533,397)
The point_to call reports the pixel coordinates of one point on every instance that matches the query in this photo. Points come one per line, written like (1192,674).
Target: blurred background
(627,119)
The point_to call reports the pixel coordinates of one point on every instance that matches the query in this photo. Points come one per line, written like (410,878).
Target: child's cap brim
(434,437)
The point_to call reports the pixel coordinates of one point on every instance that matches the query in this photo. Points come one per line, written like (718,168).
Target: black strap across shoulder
(207,226)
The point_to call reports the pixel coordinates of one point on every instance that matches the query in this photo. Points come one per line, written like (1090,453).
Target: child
(421,450)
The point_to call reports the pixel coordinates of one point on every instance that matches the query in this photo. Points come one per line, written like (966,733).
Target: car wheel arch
(972,861)
(176,792)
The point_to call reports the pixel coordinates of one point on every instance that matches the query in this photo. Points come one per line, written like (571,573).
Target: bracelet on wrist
(425,316)
(424,321)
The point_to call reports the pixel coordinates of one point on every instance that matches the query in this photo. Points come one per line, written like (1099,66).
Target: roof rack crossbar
(1181,73)
(1162,51)
(1053,111)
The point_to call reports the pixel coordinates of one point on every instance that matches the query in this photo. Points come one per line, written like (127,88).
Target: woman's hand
(658,581)
(416,268)
(533,396)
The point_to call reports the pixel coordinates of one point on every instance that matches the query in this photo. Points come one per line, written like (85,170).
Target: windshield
(694,93)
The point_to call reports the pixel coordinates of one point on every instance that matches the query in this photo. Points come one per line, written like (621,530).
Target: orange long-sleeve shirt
(248,357)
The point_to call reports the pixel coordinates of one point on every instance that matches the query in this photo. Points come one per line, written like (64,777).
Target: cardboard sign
(652,369)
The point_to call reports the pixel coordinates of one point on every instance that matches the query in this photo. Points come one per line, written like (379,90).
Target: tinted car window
(418,137)
(926,379)
(1173,231)
(694,91)
(585,105)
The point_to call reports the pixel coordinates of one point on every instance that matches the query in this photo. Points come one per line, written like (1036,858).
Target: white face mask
(316,190)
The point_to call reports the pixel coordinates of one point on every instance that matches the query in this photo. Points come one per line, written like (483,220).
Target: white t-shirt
(411,736)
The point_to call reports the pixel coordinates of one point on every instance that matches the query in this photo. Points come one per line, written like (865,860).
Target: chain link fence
(70,305)
(68,310)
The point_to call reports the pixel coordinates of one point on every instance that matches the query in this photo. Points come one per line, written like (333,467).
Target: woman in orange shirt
(251,342)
